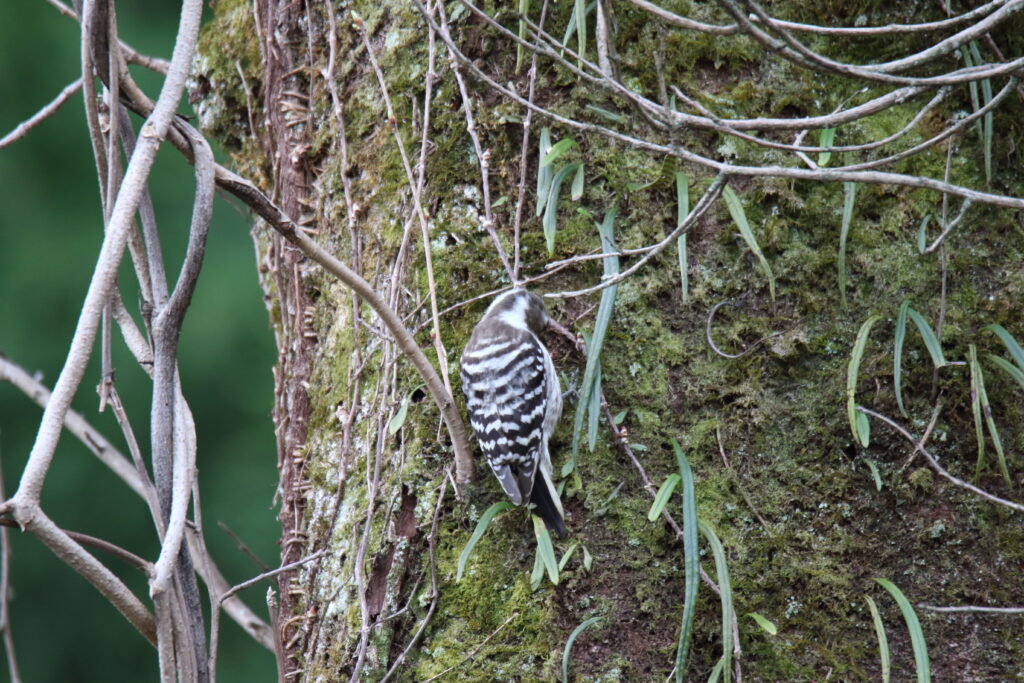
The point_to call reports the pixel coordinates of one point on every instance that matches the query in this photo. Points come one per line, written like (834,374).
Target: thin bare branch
(939,468)
(41,115)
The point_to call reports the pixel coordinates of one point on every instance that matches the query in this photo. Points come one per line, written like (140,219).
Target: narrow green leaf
(568,645)
(499,201)
(524,10)
(1009,368)
(568,554)
(604,113)
(766,625)
(620,417)
(849,196)
(897,356)
(544,173)
(986,410)
(1016,352)
(921,661)
(537,575)
(852,371)
(634,186)
(588,559)
(883,641)
(577,184)
(722,571)
(545,550)
(664,494)
(922,233)
(825,139)
(682,211)
(739,217)
(716,673)
(481,527)
(931,342)
(973,87)
(557,150)
(691,560)
(979,430)
(601,324)
(863,429)
(581,30)
(594,409)
(874,472)
(986,94)
(398,419)
(551,207)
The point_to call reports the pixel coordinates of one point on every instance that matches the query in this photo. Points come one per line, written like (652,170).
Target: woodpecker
(515,400)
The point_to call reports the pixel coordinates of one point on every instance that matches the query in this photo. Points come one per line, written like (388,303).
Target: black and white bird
(515,400)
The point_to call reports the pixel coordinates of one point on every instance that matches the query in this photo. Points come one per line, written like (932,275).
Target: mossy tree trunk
(778,473)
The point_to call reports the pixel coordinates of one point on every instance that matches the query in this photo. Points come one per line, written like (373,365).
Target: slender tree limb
(46,112)
(939,468)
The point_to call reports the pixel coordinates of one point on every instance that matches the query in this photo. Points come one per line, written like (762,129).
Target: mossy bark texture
(807,516)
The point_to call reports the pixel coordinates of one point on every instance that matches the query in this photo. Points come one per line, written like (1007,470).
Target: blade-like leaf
(524,10)
(545,550)
(922,233)
(664,494)
(874,472)
(577,184)
(931,342)
(739,217)
(398,419)
(537,575)
(1009,368)
(722,571)
(766,625)
(682,211)
(557,150)
(986,410)
(863,429)
(691,560)
(581,30)
(601,324)
(716,673)
(852,371)
(1016,352)
(897,356)
(551,207)
(594,409)
(979,430)
(567,556)
(481,527)
(568,645)
(588,559)
(604,113)
(544,173)
(921,661)
(883,641)
(986,95)
(849,196)
(825,138)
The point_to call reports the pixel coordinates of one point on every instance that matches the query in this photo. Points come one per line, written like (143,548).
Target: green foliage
(921,660)
(568,645)
(857,420)
(481,527)
(739,216)
(883,640)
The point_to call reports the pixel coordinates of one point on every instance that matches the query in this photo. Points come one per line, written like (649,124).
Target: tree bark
(778,473)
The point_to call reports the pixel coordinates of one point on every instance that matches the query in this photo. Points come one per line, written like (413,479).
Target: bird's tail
(547,504)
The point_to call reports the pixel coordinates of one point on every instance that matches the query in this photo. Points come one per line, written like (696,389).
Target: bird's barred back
(506,392)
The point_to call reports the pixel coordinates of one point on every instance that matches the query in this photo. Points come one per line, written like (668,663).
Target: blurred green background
(50,232)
